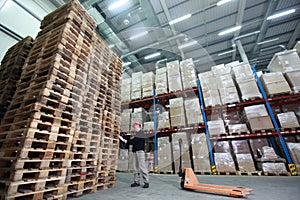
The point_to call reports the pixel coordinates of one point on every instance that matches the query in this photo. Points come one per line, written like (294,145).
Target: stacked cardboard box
(185,154)
(147,84)
(138,115)
(150,161)
(174,77)
(243,156)
(237,128)
(193,111)
(297,48)
(216,127)
(177,113)
(163,120)
(274,168)
(126,120)
(136,85)
(288,120)
(275,83)
(294,149)
(149,126)
(246,81)
(256,145)
(293,78)
(123,160)
(200,153)
(126,90)
(161,82)
(209,88)
(164,155)
(258,118)
(188,75)
(224,162)
(222,147)
(285,61)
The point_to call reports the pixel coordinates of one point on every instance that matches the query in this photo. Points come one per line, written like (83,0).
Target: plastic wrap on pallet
(185,150)
(126,90)
(232,64)
(224,162)
(240,147)
(177,113)
(220,70)
(297,48)
(268,153)
(242,72)
(147,84)
(274,167)
(164,155)
(294,149)
(216,127)
(161,82)
(245,162)
(232,118)
(222,147)
(208,81)
(163,120)
(211,98)
(257,144)
(123,160)
(224,81)
(293,78)
(174,77)
(260,123)
(148,126)
(288,120)
(249,90)
(237,128)
(200,153)
(193,111)
(229,95)
(126,120)
(188,74)
(136,85)
(284,61)
(275,83)
(255,111)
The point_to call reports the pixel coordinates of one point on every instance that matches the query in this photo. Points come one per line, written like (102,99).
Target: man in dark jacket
(138,149)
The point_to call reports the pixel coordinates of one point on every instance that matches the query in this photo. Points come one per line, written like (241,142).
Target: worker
(139,163)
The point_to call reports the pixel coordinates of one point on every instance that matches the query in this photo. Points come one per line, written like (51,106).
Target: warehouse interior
(214,84)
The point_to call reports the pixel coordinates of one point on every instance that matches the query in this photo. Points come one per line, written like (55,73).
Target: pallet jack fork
(189,181)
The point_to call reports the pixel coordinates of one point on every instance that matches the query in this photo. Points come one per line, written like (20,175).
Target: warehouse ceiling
(142,27)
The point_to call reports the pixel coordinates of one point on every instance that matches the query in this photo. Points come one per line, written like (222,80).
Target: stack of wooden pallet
(10,71)
(60,133)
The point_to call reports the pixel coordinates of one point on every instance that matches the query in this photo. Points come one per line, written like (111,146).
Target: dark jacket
(138,142)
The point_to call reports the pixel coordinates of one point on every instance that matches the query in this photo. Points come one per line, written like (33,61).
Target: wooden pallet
(276,173)
(239,133)
(227,173)
(256,173)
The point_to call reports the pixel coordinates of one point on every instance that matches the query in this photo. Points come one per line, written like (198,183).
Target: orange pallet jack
(189,181)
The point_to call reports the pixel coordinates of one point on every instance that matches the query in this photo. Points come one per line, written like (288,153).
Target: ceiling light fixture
(267,41)
(117,4)
(152,56)
(281,14)
(174,21)
(230,30)
(138,35)
(111,46)
(187,44)
(126,64)
(226,52)
(223,2)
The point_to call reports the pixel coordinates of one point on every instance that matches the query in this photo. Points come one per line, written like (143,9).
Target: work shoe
(135,185)
(146,185)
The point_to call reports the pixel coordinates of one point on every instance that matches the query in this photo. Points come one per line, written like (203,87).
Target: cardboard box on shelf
(288,120)
(224,162)
(147,84)
(221,69)
(193,111)
(211,98)
(148,126)
(221,147)
(216,127)
(164,155)
(126,90)
(274,167)
(245,162)
(238,128)
(123,160)
(257,143)
(185,150)
(294,150)
(249,90)
(260,123)
(297,48)
(268,153)
(242,72)
(161,82)
(126,120)
(136,85)
(255,111)
(293,78)
(240,147)
(163,120)
(284,61)
(188,75)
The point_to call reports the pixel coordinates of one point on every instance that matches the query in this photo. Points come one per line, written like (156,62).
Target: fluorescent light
(111,46)
(281,14)
(267,41)
(226,52)
(126,64)
(230,30)
(223,2)
(187,44)
(138,35)
(152,55)
(117,4)
(180,19)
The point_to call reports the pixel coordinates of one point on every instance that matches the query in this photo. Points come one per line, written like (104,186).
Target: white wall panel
(5,43)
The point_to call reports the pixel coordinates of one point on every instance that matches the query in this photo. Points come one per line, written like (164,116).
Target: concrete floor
(166,187)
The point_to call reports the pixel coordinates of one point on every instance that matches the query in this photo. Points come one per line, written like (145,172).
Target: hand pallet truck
(189,181)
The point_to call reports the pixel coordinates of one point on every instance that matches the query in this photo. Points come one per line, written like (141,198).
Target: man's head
(137,126)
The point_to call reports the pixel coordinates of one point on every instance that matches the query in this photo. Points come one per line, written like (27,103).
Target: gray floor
(167,187)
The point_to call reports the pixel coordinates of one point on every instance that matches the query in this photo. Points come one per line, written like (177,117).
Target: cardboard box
(199,142)
(268,153)
(260,123)
(126,120)
(257,143)
(220,70)
(285,61)
(222,147)
(249,89)
(294,150)
(293,79)
(174,77)
(238,128)
(148,126)
(188,75)
(297,48)
(242,72)
(245,162)
(163,120)
(161,82)
(126,90)
(216,127)
(123,159)
(164,155)
(229,95)
(147,84)
(211,98)
(255,111)
(207,81)
(240,147)
(193,111)
(136,86)
(274,168)
(288,120)
(185,150)
(177,113)
(224,162)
